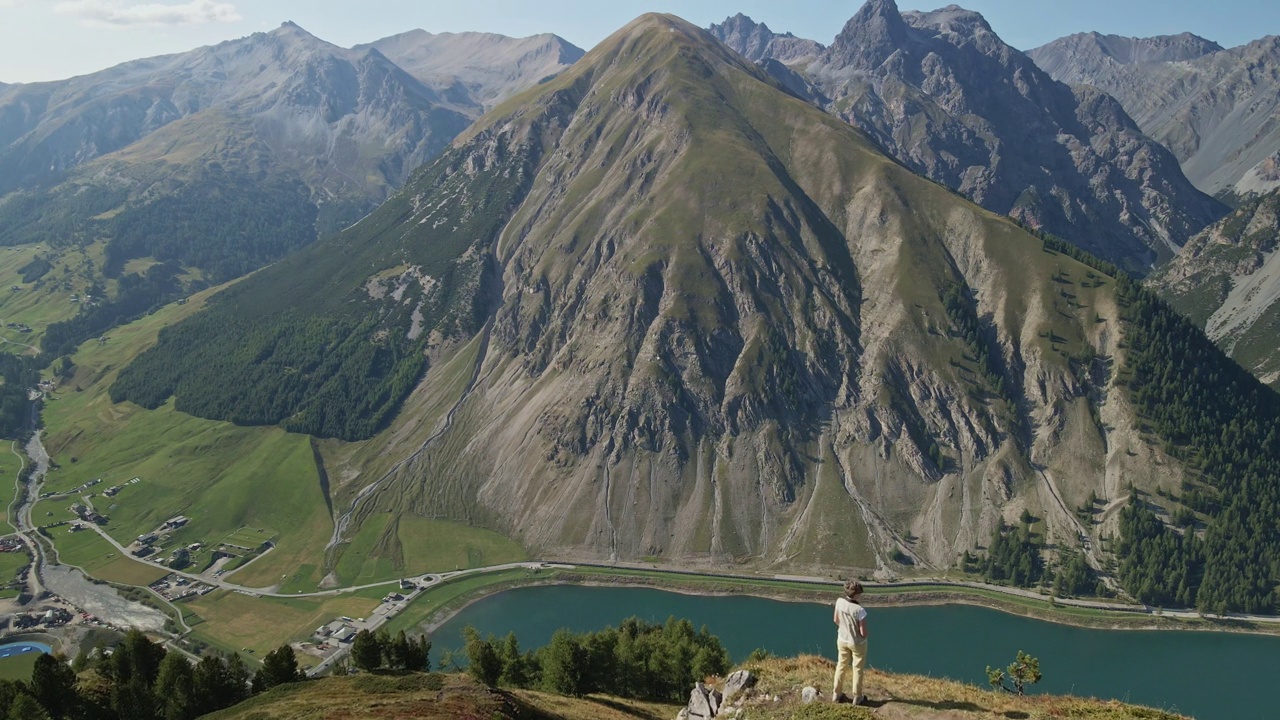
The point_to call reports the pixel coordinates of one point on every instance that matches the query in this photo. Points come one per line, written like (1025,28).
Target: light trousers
(852,658)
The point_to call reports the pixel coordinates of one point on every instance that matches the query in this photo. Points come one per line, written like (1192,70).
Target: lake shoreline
(876,596)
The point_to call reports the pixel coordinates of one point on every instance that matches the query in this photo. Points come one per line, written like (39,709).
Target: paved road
(424,583)
(1187,613)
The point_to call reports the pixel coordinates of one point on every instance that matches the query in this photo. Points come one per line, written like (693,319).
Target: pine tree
(175,688)
(483,662)
(564,665)
(53,685)
(513,664)
(26,707)
(280,666)
(134,667)
(398,652)
(366,651)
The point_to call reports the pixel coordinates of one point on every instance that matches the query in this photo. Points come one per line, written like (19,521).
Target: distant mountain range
(1217,110)
(943,94)
(482,68)
(304,129)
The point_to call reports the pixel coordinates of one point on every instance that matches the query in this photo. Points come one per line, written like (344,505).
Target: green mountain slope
(659,307)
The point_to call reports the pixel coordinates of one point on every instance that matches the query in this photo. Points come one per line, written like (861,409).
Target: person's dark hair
(852,589)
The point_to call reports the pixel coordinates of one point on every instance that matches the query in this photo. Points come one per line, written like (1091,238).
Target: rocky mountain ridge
(1227,279)
(484,68)
(1216,109)
(323,132)
(1068,161)
(756,42)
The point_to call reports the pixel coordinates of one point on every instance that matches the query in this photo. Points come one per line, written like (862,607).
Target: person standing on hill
(851,643)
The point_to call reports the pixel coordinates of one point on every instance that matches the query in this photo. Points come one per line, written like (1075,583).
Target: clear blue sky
(51,39)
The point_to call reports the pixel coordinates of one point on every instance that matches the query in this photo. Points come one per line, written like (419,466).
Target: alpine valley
(723,300)
(660,307)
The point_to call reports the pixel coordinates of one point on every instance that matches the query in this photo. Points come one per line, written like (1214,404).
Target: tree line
(311,344)
(1224,424)
(17,375)
(141,680)
(637,659)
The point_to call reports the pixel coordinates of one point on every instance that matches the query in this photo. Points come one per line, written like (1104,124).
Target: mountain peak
(950,19)
(874,33)
(289,28)
(757,43)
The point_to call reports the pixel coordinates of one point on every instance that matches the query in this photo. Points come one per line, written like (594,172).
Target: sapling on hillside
(1023,671)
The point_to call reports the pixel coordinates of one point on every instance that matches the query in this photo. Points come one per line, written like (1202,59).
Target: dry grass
(894,697)
(430,697)
(911,697)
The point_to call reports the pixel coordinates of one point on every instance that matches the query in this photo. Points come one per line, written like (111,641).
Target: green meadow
(237,485)
(47,300)
(235,622)
(10,465)
(424,545)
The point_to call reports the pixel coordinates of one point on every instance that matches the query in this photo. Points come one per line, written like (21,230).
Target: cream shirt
(849,614)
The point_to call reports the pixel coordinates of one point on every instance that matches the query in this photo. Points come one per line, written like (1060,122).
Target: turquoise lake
(1209,675)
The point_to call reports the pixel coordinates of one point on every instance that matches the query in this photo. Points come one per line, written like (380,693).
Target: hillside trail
(32,348)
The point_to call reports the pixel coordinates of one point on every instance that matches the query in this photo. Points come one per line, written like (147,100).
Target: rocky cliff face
(942,93)
(757,43)
(1215,109)
(1227,279)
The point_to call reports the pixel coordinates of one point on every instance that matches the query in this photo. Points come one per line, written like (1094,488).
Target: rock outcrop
(757,43)
(942,93)
(737,682)
(704,703)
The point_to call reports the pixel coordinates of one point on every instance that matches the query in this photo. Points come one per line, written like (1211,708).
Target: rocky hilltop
(1227,279)
(941,92)
(1216,109)
(662,308)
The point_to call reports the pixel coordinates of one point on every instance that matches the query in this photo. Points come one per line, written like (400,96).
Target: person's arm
(862,628)
(835,615)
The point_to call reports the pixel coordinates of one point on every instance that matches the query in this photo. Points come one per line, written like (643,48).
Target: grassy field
(456,592)
(10,464)
(18,667)
(11,563)
(100,559)
(425,546)
(256,625)
(47,300)
(432,697)
(237,482)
